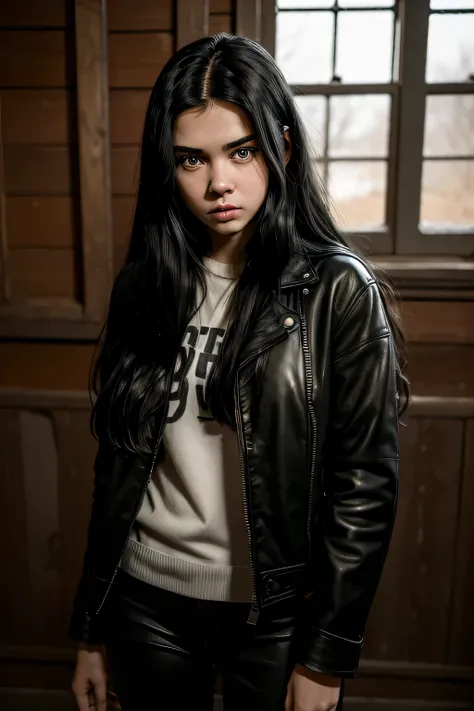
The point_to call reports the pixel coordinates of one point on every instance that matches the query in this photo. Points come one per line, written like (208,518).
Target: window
(386,91)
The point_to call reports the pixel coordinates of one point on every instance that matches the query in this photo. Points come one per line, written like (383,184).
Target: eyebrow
(226,147)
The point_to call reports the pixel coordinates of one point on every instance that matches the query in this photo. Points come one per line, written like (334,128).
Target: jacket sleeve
(360,474)
(81,627)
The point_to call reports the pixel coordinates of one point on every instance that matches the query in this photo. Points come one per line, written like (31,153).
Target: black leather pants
(164,650)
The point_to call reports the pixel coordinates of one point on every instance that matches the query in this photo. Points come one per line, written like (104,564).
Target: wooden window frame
(436,265)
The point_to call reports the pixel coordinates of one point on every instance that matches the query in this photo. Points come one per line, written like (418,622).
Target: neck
(228,249)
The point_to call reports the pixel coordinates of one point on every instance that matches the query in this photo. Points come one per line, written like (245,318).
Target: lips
(224,208)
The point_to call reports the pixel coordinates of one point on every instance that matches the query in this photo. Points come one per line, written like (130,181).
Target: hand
(312,691)
(90,678)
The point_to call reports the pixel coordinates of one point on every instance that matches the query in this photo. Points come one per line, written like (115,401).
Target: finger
(289,696)
(100,691)
(82,700)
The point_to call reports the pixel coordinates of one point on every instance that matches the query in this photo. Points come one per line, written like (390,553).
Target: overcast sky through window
(359,125)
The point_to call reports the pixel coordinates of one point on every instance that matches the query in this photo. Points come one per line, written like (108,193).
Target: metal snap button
(272,586)
(306,292)
(306,276)
(269,585)
(288,322)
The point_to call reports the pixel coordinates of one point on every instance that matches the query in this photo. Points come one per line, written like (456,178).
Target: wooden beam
(256,19)
(248,19)
(192,21)
(94,155)
(4,275)
(268,26)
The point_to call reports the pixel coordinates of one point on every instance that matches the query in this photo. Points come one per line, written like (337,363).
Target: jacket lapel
(274,323)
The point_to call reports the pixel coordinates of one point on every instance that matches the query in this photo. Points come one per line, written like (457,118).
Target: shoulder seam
(361,345)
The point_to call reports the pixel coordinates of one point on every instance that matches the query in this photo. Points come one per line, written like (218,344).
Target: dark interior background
(74,82)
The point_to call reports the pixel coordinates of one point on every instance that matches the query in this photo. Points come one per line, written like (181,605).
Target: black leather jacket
(319,456)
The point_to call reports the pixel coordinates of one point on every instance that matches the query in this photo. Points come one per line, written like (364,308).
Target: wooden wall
(69,138)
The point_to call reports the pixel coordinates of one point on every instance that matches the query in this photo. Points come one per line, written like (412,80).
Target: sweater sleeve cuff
(330,654)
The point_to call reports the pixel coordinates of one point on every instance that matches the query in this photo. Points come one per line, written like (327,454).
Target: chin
(229,228)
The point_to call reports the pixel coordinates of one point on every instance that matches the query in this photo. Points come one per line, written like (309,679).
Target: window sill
(429,277)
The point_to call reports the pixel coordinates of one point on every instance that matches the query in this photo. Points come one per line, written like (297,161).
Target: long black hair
(164,262)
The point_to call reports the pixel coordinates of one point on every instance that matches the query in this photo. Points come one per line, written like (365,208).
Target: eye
(189,162)
(244,153)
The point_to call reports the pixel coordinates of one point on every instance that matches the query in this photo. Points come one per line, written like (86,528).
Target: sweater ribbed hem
(185,577)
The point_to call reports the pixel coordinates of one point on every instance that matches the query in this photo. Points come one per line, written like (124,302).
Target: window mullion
(414,18)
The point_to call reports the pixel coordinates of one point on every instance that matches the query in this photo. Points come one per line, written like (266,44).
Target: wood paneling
(31,13)
(127,115)
(46,483)
(44,116)
(94,156)
(417,578)
(125,170)
(39,170)
(43,273)
(126,16)
(439,321)
(137,59)
(15,598)
(40,474)
(220,23)
(441,370)
(222,6)
(248,19)
(35,58)
(192,21)
(57,366)
(461,647)
(42,222)
(4,276)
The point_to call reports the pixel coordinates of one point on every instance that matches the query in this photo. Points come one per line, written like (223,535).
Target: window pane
(305,3)
(358,191)
(359,126)
(446,198)
(450,48)
(452,5)
(366,3)
(358,31)
(313,112)
(449,126)
(304,42)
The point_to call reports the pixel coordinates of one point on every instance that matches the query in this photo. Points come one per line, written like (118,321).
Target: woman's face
(218,163)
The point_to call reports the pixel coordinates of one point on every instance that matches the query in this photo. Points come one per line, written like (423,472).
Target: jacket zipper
(254,611)
(312,415)
(155,455)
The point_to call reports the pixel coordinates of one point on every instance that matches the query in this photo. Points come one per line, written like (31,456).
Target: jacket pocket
(282,583)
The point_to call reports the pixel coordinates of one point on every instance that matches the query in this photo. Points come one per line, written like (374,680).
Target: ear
(288,144)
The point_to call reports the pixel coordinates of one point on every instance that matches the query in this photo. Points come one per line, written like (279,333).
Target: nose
(220,183)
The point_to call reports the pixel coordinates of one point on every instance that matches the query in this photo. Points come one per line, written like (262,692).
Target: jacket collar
(298,272)
(272,325)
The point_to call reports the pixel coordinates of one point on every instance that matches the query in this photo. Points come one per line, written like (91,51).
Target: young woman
(247,414)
